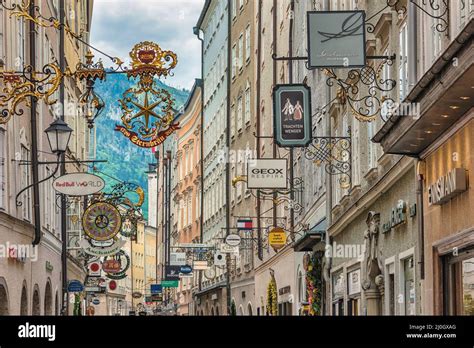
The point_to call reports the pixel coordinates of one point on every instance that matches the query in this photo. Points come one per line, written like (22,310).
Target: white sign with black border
(267,174)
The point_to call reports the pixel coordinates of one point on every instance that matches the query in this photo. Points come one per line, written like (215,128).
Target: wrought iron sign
(20,87)
(364,91)
(121,263)
(335,154)
(148,112)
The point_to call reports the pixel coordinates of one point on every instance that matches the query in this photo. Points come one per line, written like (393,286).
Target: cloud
(117,25)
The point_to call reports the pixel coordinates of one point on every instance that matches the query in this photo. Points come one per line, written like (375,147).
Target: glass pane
(468,286)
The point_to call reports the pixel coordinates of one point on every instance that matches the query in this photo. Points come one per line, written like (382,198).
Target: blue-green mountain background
(126,161)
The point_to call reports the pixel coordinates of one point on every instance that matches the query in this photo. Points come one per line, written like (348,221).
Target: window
(239,113)
(3,155)
(232,121)
(234,9)
(241,51)
(190,210)
(20,59)
(247,43)
(26,181)
(403,65)
(234,62)
(1,34)
(408,286)
(247,103)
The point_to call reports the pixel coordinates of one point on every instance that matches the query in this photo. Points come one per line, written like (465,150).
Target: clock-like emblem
(210,273)
(101,221)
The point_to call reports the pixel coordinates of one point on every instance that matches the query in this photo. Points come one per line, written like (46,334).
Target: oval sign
(185,269)
(137,295)
(233,240)
(96,301)
(112,285)
(277,238)
(79,184)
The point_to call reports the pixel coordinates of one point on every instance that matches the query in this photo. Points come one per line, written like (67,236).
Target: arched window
(301,289)
(249,309)
(35,309)
(24,300)
(48,299)
(4,303)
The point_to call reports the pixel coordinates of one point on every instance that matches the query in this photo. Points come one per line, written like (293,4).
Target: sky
(117,25)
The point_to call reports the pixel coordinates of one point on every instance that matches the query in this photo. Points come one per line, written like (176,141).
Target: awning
(312,237)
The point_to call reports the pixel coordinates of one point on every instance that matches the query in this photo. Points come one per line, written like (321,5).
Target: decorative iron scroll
(335,154)
(368,79)
(394,4)
(20,87)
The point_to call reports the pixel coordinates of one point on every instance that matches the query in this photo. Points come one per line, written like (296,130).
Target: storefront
(449,224)
(373,252)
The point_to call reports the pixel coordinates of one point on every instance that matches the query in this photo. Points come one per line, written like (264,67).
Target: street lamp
(58,134)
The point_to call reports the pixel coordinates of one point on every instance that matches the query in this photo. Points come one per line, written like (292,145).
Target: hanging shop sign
(172,272)
(233,240)
(353,280)
(112,285)
(49,267)
(219,259)
(112,266)
(336,39)
(101,221)
(277,238)
(75,286)
(148,112)
(101,251)
(123,260)
(156,289)
(447,187)
(79,184)
(177,259)
(244,224)
(170,283)
(96,301)
(93,269)
(228,249)
(292,115)
(200,265)
(267,174)
(185,269)
(137,295)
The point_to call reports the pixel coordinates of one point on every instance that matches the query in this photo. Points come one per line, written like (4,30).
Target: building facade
(214,26)
(33,284)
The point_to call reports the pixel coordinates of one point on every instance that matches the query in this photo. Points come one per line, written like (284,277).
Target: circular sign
(137,295)
(277,238)
(185,269)
(101,221)
(233,240)
(124,260)
(112,285)
(94,267)
(78,184)
(96,301)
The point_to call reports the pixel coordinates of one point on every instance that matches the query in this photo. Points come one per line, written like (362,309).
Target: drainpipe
(420,220)
(275,68)
(227,166)
(292,172)
(258,126)
(412,45)
(326,274)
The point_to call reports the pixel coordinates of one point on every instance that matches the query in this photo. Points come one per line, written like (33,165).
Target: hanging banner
(245,224)
(79,184)
(172,272)
(267,174)
(336,39)
(101,251)
(292,116)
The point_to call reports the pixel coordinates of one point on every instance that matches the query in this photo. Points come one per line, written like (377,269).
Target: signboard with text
(267,174)
(336,39)
(292,116)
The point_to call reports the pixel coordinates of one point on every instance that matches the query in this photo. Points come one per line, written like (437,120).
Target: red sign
(111,266)
(146,56)
(112,285)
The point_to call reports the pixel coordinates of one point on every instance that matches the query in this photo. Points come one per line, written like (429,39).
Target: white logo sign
(233,240)
(227,249)
(267,174)
(78,184)
(178,259)
(97,251)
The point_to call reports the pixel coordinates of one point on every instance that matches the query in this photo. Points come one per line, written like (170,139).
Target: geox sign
(267,174)
(446,187)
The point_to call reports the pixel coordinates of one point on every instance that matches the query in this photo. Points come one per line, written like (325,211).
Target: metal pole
(292,172)
(275,67)
(259,76)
